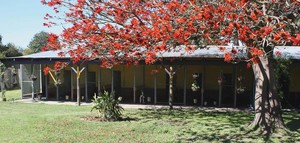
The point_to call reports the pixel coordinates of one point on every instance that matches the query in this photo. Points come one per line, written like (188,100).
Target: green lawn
(62,123)
(14,94)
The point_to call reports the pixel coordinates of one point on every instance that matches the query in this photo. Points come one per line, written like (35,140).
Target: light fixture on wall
(240,89)
(195,86)
(220,80)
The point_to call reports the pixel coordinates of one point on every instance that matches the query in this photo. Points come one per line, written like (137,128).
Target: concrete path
(133,106)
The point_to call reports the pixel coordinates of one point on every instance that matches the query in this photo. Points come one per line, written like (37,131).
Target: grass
(62,123)
(14,94)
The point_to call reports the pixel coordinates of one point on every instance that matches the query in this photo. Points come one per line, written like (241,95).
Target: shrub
(107,107)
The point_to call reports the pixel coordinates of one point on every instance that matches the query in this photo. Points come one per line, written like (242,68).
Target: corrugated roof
(207,52)
(45,54)
(292,52)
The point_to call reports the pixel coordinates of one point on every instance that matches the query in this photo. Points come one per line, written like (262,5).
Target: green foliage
(107,106)
(12,95)
(12,51)
(9,50)
(3,48)
(0,40)
(39,40)
(282,75)
(28,51)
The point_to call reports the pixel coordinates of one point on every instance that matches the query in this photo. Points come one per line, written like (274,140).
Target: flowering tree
(127,31)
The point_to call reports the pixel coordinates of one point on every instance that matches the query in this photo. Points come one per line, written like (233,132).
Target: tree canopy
(117,31)
(38,42)
(0,40)
(9,50)
(121,27)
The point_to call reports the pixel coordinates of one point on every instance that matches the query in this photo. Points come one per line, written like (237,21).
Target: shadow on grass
(292,121)
(100,119)
(128,119)
(196,125)
(212,126)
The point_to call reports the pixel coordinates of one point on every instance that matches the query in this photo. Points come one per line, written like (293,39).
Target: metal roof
(207,52)
(292,52)
(45,54)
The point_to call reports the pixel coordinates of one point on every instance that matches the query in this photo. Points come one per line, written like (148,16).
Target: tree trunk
(274,99)
(267,104)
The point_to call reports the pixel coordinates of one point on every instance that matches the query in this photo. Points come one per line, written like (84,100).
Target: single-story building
(217,83)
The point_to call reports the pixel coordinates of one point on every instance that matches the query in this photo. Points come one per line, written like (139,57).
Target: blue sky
(21,19)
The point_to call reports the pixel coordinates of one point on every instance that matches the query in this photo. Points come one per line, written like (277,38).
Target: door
(227,90)
(117,84)
(66,90)
(91,84)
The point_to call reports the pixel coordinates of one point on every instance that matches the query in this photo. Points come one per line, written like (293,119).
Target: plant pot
(195,76)
(215,103)
(33,78)
(148,99)
(39,96)
(195,101)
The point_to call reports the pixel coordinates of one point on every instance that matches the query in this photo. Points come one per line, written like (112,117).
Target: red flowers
(278,53)
(150,58)
(58,66)
(256,52)
(227,57)
(180,20)
(296,39)
(249,65)
(46,70)
(222,49)
(153,71)
(134,22)
(281,35)
(51,3)
(253,16)
(107,28)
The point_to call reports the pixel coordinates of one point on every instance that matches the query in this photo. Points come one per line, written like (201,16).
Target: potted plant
(67,97)
(39,96)
(33,77)
(195,87)
(195,75)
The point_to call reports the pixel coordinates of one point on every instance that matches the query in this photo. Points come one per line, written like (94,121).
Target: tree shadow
(214,121)
(294,125)
(212,125)
(293,121)
(128,119)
